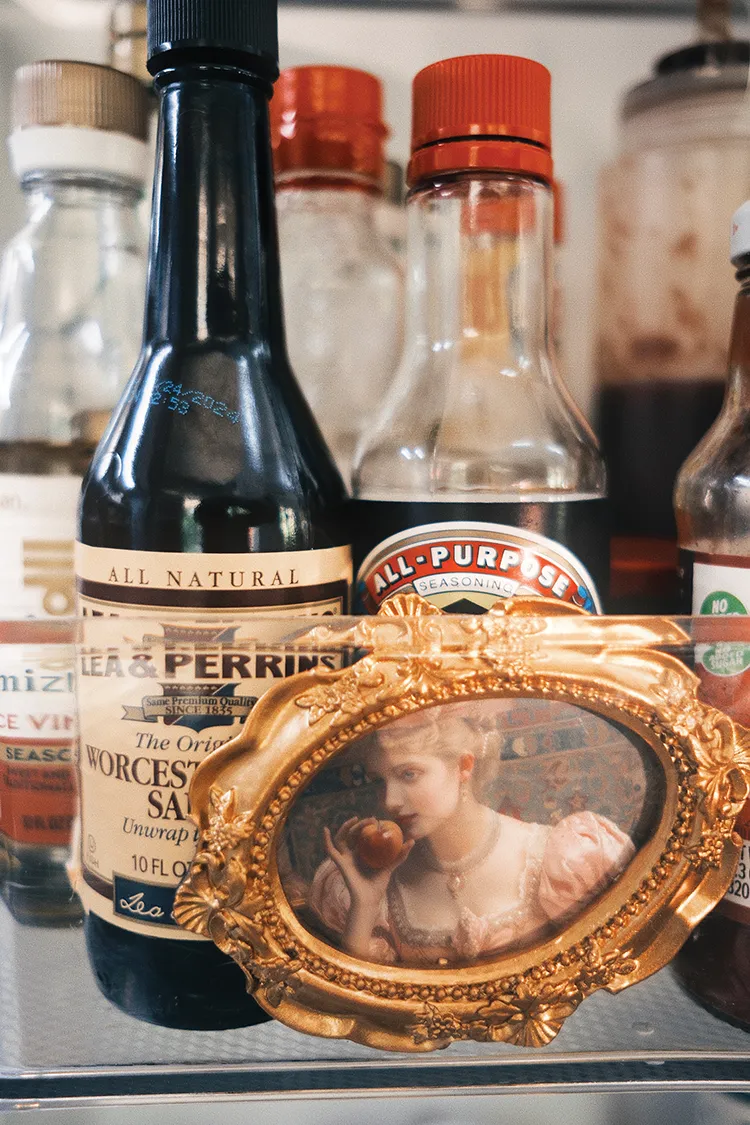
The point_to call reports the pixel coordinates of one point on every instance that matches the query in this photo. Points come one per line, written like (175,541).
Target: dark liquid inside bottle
(177,479)
(578,525)
(711,504)
(647,429)
(714,963)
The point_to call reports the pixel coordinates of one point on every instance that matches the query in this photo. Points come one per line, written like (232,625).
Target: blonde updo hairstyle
(450,730)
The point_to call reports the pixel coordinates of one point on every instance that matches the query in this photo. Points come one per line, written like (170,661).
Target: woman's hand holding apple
(367,852)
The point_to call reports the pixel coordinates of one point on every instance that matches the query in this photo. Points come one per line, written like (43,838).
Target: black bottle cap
(726,52)
(243,31)
(700,68)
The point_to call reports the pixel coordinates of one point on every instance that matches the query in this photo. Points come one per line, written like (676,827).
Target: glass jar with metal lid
(665,297)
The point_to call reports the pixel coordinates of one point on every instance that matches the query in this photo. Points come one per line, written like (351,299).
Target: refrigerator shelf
(63,1044)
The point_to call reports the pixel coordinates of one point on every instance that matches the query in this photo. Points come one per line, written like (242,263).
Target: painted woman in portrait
(469,882)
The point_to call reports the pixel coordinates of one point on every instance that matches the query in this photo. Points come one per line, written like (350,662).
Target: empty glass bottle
(342,281)
(71,296)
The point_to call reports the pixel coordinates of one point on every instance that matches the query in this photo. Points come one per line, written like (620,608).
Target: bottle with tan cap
(127,52)
(343,284)
(480,480)
(71,296)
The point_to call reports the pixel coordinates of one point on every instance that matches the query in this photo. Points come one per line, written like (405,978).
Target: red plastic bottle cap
(328,119)
(481,112)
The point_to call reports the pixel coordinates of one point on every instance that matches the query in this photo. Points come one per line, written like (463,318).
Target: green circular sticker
(726,659)
(722,603)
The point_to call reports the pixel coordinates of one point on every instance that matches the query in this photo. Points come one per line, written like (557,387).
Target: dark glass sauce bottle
(211,454)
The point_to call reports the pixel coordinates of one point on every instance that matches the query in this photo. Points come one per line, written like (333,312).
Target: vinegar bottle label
(156,698)
(37,704)
(37,727)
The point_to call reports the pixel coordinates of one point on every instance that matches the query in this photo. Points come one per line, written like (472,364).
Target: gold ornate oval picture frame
(559,810)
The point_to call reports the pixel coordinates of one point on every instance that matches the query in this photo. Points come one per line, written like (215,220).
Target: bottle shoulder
(720,460)
(712,491)
(208,443)
(449,427)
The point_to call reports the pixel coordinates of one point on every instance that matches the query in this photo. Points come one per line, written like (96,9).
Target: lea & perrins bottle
(712,509)
(481,479)
(212,498)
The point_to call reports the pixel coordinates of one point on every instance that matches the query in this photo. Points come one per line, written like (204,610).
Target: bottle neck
(213,263)
(333,204)
(74,193)
(480,259)
(737,395)
(357,193)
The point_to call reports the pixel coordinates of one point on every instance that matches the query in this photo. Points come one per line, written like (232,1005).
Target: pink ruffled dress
(565,867)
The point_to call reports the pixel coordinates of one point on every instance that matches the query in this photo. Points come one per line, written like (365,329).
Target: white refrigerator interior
(593,59)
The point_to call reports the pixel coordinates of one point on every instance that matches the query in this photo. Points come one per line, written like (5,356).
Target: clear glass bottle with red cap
(342,282)
(480,480)
(712,509)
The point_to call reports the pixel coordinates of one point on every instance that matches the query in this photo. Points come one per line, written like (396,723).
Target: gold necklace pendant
(455,884)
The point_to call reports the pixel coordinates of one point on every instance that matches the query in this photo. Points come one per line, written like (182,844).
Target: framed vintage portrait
(468,829)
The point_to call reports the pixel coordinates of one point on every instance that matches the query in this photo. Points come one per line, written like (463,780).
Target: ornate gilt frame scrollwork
(417,657)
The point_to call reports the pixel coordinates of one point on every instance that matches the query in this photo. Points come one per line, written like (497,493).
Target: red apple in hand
(379,844)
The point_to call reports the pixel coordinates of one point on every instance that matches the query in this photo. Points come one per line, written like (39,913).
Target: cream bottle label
(37,524)
(157,695)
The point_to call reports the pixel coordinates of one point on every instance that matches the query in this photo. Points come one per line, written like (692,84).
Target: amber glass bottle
(712,506)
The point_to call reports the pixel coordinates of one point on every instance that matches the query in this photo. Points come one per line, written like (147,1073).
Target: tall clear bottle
(343,284)
(712,509)
(480,480)
(212,498)
(71,288)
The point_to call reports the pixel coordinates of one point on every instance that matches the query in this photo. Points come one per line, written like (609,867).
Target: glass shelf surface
(62,1043)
